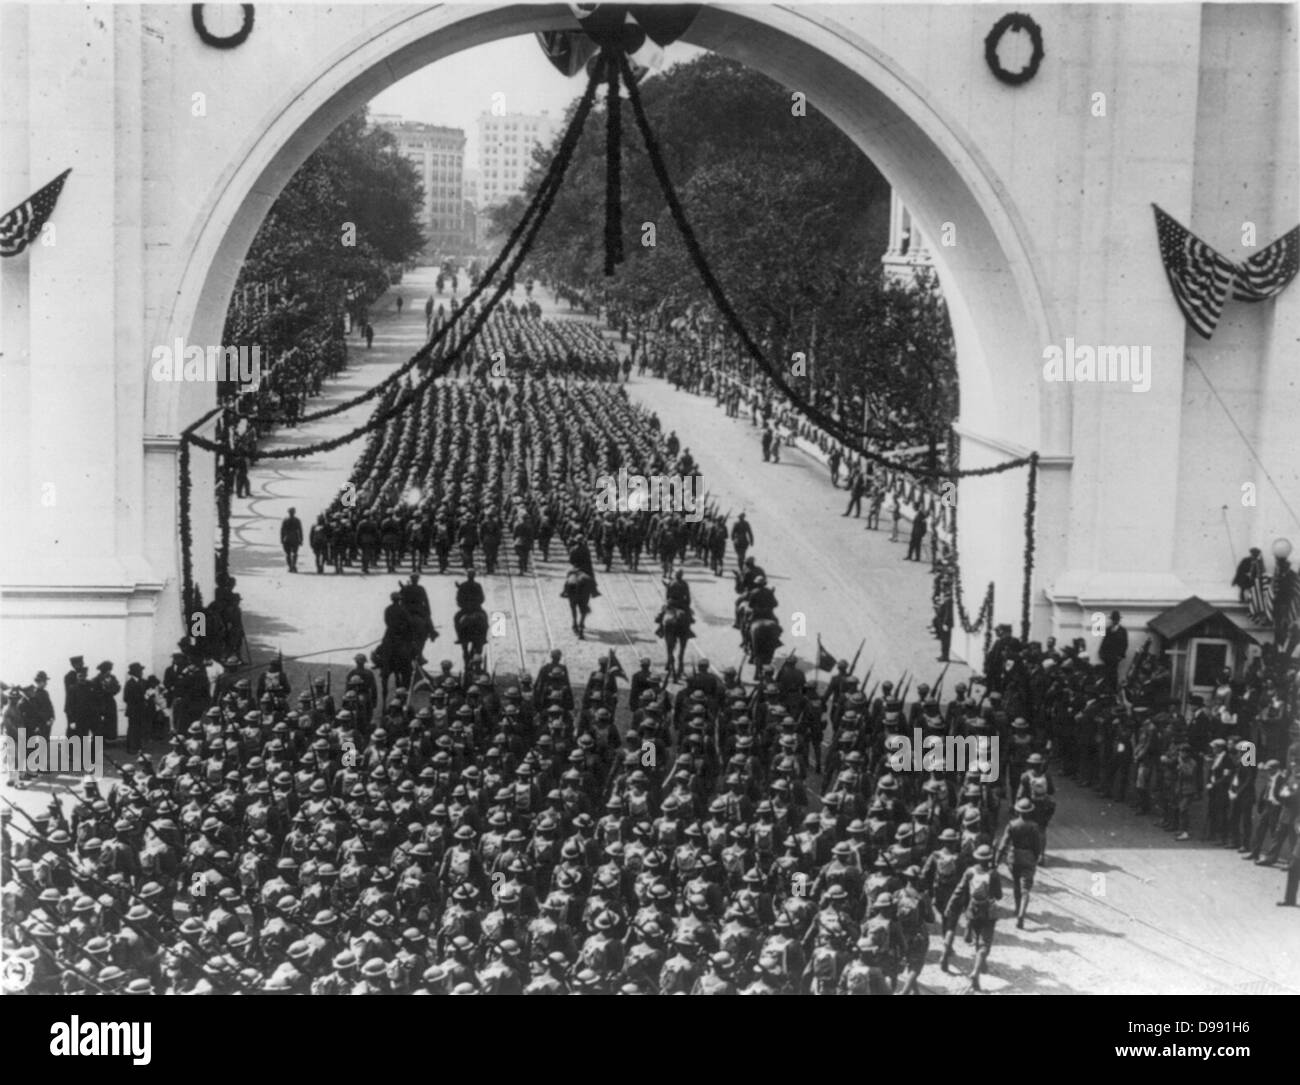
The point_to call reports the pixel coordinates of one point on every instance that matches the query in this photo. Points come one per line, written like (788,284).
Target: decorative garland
(850,438)
(411,394)
(613,180)
(1031,510)
(556,169)
(984,618)
(854,439)
(189,590)
(233,41)
(1014,21)
(187,538)
(224,496)
(532,219)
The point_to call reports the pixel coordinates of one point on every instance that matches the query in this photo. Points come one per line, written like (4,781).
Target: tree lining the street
(347,216)
(793,219)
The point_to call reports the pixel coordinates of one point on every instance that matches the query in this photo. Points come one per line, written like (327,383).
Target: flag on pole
(1199,276)
(825,661)
(20,227)
(1259,596)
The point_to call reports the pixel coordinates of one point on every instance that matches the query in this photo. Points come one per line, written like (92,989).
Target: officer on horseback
(677,595)
(469,602)
(469,592)
(757,604)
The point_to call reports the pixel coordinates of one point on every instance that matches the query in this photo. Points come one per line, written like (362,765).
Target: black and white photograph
(662,499)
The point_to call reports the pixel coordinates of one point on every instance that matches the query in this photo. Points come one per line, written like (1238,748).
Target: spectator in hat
(1114,647)
(104,688)
(137,708)
(74,701)
(39,715)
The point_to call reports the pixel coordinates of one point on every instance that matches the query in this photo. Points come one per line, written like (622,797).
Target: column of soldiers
(516,341)
(507,844)
(522,843)
(481,467)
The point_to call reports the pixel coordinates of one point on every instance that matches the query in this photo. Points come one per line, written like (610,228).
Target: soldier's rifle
(79,875)
(866,678)
(62,965)
(899,685)
(856,656)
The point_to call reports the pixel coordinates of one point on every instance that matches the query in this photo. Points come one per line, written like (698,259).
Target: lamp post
(1284,591)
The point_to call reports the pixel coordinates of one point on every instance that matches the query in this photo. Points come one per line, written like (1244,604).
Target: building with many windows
(505,152)
(907,252)
(439,155)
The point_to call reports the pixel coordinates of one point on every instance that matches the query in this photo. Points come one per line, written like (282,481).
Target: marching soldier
(1022,845)
(975,897)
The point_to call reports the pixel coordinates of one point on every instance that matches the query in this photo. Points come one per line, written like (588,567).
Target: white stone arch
(999,313)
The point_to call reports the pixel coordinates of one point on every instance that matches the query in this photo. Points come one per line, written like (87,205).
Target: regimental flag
(1199,276)
(825,661)
(20,227)
(1267,272)
(615,667)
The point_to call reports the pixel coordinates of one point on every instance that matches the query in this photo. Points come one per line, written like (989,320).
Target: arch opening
(999,320)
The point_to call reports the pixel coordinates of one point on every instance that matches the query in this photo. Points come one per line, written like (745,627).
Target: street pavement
(1119,908)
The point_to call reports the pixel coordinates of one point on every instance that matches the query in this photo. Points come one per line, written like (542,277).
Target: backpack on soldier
(980,908)
(947,867)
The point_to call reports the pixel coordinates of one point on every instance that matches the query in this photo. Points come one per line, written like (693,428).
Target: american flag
(1199,277)
(1263,594)
(1259,596)
(21,225)
(1269,270)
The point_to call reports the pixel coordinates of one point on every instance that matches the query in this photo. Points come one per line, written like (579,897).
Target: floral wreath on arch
(1014,21)
(232,41)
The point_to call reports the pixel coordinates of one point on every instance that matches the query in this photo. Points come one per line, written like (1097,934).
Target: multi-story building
(439,155)
(505,152)
(907,252)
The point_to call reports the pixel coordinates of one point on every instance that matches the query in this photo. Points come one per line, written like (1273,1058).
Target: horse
(471,633)
(762,639)
(394,659)
(675,636)
(578,590)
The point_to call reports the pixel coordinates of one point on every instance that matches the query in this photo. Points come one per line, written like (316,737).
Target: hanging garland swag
(523,236)
(536,212)
(1015,21)
(232,41)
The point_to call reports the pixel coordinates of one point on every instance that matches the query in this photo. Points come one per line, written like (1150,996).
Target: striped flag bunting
(1267,272)
(1201,278)
(20,227)
(1198,275)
